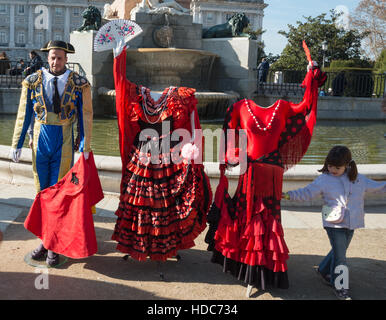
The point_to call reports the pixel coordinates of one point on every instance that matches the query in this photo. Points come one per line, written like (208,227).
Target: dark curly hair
(340,156)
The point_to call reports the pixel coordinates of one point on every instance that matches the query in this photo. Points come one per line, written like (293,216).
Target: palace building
(213,12)
(27,25)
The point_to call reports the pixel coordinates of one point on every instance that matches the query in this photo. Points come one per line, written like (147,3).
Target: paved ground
(107,276)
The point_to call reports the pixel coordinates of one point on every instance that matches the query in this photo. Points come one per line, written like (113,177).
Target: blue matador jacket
(55,136)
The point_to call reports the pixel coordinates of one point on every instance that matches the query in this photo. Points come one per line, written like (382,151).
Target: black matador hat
(57,44)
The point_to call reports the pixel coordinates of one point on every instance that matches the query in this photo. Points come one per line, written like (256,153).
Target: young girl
(340,185)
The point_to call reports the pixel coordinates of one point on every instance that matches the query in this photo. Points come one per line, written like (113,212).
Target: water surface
(364,138)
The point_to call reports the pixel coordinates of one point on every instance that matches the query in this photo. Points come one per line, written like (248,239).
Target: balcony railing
(12,75)
(347,84)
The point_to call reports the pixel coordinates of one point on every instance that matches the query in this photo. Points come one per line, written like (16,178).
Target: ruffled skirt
(251,245)
(162,208)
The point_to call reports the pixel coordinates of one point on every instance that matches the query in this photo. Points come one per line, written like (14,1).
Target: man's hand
(16,154)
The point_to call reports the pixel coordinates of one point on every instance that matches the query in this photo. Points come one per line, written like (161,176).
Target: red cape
(61,214)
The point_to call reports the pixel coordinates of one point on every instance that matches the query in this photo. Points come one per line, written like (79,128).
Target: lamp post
(324,49)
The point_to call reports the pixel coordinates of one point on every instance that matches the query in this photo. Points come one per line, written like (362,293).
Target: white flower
(190,151)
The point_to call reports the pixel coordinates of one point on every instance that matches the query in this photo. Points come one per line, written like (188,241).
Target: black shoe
(39,253)
(325,278)
(52,258)
(342,294)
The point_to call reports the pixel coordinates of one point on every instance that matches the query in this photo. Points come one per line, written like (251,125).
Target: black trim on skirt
(257,276)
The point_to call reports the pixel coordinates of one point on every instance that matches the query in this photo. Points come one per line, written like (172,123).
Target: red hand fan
(307,51)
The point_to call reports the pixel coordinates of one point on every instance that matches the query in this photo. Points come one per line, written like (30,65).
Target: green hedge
(380,64)
(348,69)
(363,64)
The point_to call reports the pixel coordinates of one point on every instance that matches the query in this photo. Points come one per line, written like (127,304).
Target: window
(58,36)
(3,8)
(209,17)
(58,11)
(229,15)
(39,39)
(20,9)
(76,12)
(3,38)
(21,37)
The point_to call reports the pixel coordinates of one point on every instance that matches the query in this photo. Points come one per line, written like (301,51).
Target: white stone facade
(213,12)
(28,24)
(18,19)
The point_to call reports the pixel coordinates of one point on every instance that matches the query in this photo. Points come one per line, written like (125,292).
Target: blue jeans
(340,239)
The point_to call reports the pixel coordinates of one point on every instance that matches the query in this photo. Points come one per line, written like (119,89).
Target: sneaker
(342,294)
(325,278)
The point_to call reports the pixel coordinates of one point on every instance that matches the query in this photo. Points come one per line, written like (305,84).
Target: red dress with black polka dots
(245,234)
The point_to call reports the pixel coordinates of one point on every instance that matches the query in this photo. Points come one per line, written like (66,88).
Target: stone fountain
(167,53)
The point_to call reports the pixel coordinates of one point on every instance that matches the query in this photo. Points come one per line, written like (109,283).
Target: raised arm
(313,80)
(301,119)
(375,186)
(307,193)
(125,94)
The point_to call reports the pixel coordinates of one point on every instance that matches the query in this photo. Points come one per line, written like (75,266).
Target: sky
(280,13)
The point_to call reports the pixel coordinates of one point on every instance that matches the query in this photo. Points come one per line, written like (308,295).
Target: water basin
(364,138)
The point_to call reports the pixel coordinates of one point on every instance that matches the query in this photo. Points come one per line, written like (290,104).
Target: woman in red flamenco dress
(245,231)
(163,207)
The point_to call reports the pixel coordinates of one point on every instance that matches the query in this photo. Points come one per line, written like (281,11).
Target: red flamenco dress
(163,207)
(245,232)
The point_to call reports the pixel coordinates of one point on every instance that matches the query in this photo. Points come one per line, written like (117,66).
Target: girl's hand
(285,196)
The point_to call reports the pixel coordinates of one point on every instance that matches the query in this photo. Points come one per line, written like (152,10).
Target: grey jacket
(335,191)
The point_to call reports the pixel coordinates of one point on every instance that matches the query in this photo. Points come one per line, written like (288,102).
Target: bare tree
(370,17)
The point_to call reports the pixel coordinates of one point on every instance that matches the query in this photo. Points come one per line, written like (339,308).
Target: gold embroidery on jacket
(75,84)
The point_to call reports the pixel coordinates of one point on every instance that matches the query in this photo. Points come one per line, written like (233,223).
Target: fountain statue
(164,7)
(170,53)
(232,28)
(119,9)
(167,53)
(91,19)
(126,9)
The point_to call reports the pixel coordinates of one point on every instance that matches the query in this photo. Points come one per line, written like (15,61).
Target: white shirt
(337,191)
(48,83)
